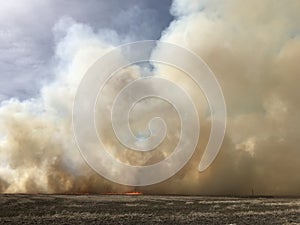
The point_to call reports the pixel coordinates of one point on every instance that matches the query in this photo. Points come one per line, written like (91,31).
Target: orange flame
(125,193)
(134,193)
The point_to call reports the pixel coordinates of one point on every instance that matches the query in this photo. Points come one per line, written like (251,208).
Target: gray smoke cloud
(252,47)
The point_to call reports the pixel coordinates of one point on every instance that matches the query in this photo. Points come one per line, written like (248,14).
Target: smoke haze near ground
(252,47)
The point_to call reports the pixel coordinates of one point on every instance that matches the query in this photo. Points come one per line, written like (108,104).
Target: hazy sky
(27,40)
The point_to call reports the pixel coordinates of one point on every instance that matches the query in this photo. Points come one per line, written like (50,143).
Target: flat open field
(143,209)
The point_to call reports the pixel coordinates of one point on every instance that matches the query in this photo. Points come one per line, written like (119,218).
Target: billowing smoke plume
(38,150)
(253,48)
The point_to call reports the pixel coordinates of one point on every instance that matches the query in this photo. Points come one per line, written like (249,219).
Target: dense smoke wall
(253,48)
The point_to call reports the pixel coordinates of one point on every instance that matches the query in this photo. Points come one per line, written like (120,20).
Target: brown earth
(143,209)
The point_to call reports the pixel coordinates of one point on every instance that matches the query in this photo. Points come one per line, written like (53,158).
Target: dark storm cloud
(27,40)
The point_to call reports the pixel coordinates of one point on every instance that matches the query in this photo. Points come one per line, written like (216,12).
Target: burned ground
(143,209)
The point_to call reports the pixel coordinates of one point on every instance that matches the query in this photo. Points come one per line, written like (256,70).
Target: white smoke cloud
(37,148)
(252,47)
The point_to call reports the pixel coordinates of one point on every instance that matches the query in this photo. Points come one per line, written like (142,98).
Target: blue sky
(27,41)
